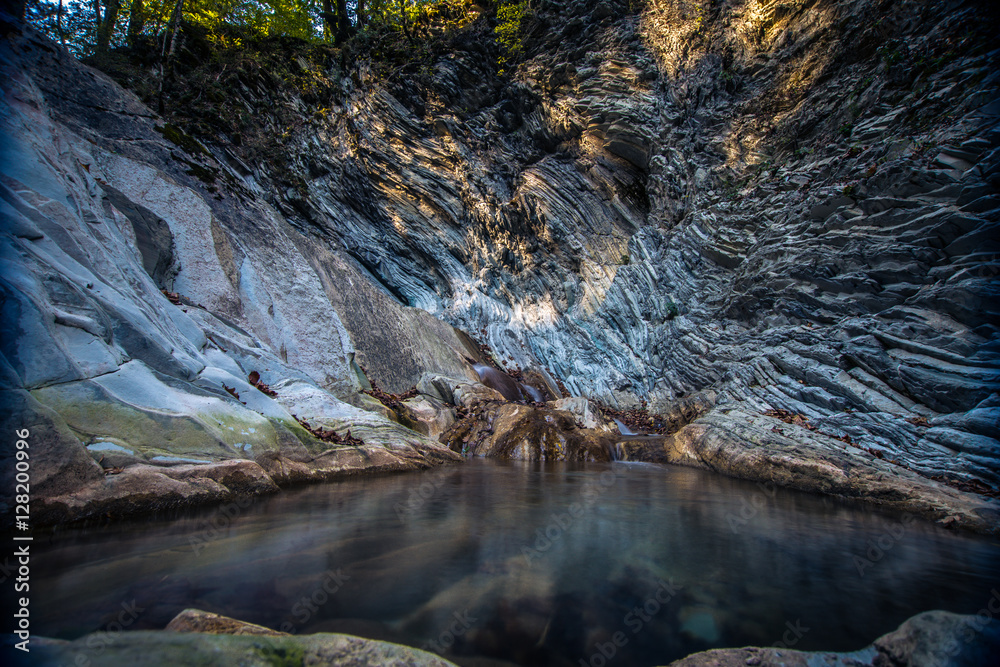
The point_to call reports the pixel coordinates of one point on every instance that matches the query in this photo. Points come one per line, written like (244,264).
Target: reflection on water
(530,563)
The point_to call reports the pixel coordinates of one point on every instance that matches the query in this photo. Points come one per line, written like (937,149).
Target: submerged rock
(937,638)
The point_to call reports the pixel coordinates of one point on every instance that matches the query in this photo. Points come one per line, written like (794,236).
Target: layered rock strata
(792,205)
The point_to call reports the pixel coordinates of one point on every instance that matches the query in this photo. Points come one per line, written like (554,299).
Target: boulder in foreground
(931,639)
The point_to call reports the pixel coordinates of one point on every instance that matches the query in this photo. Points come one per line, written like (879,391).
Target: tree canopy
(92,27)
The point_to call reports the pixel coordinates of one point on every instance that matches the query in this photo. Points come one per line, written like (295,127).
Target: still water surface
(535,564)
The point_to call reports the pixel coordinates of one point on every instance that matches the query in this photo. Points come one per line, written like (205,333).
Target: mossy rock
(176,136)
(172,649)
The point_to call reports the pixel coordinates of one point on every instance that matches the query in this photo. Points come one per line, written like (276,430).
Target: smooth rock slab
(430,416)
(584,413)
(196,620)
(763,449)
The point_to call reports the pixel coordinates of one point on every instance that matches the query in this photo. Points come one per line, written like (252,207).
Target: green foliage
(394,32)
(890,54)
(283,655)
(74,22)
(432,25)
(510,16)
(177,137)
(229,23)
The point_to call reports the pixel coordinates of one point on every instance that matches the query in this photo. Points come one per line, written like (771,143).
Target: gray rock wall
(792,205)
(134,402)
(795,205)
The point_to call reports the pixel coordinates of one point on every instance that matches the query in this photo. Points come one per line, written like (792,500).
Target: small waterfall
(498,380)
(625,430)
(616,452)
(511,389)
(535,395)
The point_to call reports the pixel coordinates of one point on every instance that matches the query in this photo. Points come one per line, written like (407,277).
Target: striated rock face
(792,207)
(937,638)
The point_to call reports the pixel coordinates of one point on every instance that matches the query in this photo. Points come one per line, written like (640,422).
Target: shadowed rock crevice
(152,237)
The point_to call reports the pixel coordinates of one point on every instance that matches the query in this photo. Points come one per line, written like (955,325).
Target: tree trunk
(362,17)
(329,20)
(59,24)
(171,32)
(106,28)
(166,67)
(343,22)
(136,21)
(402,14)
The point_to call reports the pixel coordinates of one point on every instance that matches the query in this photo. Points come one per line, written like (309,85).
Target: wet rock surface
(527,433)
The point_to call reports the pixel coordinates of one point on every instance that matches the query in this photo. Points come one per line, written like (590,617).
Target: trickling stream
(510,388)
(537,564)
(623,429)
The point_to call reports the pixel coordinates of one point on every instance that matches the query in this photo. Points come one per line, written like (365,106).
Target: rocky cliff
(791,205)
